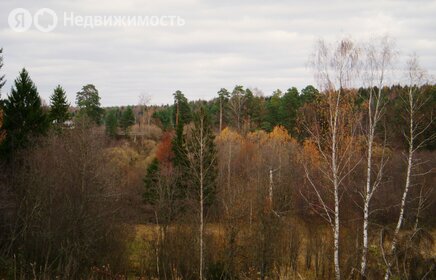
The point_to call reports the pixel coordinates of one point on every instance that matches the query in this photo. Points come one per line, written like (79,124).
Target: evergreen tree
(273,107)
(237,106)
(182,111)
(127,119)
(223,96)
(308,94)
(180,160)
(88,102)
(165,116)
(23,115)
(2,77)
(290,103)
(151,181)
(59,106)
(111,123)
(254,109)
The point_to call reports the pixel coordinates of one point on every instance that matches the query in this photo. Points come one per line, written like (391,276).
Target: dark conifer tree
(182,111)
(127,119)
(23,115)
(59,106)
(151,181)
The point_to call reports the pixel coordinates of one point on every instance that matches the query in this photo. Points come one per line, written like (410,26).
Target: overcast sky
(258,44)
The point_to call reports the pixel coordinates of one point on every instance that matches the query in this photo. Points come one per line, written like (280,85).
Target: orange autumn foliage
(164,152)
(310,153)
(280,134)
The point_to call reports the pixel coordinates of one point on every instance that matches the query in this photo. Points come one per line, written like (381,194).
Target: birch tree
(334,68)
(201,154)
(414,100)
(377,60)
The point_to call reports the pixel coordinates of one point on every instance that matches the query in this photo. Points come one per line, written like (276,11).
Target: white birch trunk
(368,193)
(336,191)
(406,187)
(201,199)
(336,221)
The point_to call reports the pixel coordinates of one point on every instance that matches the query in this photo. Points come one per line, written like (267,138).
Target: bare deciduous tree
(201,156)
(414,100)
(334,69)
(377,60)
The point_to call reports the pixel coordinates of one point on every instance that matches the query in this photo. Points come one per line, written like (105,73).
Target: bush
(65,209)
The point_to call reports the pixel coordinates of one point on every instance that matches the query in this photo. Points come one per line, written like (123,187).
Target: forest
(331,181)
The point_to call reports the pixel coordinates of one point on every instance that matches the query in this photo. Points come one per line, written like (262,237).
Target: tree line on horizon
(333,182)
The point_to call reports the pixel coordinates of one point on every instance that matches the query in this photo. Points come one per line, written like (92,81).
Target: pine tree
(182,111)
(127,119)
(59,106)
(223,96)
(111,123)
(23,115)
(308,94)
(237,106)
(88,102)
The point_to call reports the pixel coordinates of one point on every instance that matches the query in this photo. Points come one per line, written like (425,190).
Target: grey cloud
(255,43)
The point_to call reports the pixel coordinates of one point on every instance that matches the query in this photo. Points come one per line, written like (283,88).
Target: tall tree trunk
(201,199)
(406,187)
(221,114)
(336,189)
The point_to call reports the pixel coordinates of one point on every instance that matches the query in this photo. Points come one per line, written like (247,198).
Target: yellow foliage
(281,134)
(228,135)
(310,152)
(259,136)
(125,157)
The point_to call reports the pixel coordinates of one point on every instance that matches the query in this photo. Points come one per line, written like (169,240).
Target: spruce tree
(151,181)
(290,103)
(111,123)
(23,115)
(180,161)
(59,106)
(127,119)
